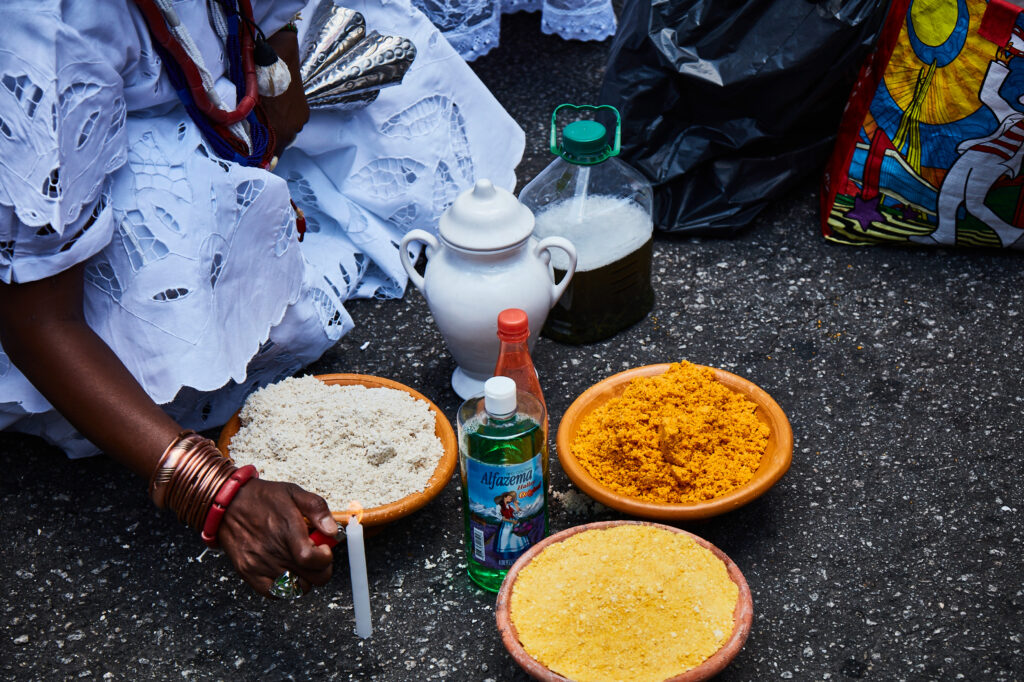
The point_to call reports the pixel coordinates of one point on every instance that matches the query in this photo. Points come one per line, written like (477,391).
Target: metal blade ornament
(332,32)
(345,67)
(344,102)
(373,63)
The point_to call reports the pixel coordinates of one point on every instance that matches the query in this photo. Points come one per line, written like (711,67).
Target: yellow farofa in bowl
(677,437)
(632,602)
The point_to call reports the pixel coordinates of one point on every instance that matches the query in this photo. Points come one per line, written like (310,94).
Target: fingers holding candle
(314,508)
(310,562)
(264,533)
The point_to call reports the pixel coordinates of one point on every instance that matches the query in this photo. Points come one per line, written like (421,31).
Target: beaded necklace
(242,134)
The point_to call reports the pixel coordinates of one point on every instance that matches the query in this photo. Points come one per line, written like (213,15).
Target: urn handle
(403,253)
(564,244)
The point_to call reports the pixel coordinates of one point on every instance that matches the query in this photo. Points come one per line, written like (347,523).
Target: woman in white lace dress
(147,285)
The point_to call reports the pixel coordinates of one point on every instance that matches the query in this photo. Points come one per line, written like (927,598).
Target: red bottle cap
(513,325)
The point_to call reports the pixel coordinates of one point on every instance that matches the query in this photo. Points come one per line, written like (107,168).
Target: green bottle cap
(585,142)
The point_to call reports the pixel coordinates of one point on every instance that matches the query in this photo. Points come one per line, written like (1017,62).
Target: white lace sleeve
(62,118)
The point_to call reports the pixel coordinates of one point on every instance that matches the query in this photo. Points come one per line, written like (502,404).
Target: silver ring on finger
(286,586)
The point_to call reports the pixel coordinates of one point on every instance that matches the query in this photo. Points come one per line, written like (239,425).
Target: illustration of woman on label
(509,544)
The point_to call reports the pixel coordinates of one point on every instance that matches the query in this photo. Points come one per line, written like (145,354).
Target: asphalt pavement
(891,550)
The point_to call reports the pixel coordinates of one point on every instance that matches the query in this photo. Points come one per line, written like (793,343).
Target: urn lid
(486,218)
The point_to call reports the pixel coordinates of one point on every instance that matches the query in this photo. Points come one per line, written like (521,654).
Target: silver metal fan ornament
(345,66)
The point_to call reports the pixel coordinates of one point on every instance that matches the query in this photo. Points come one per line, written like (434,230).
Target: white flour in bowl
(344,443)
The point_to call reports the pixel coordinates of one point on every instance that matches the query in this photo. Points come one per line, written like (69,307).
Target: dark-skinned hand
(264,533)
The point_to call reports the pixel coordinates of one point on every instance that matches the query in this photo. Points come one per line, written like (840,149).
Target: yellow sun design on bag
(952,92)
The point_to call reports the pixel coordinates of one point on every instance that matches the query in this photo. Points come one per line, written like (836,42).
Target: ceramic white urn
(485,261)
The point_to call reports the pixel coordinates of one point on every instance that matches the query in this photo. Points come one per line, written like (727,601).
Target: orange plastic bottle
(514,356)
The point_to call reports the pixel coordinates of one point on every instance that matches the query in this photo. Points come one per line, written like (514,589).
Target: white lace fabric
(61,135)
(473,27)
(194,274)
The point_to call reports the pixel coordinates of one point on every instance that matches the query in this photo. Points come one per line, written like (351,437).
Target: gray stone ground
(891,550)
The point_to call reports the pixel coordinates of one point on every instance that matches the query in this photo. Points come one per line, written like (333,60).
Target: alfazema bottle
(504,469)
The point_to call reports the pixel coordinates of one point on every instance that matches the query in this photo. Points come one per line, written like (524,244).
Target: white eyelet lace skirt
(203,289)
(473,27)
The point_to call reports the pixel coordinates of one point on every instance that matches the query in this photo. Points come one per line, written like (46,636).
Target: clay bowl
(376,517)
(774,463)
(743,614)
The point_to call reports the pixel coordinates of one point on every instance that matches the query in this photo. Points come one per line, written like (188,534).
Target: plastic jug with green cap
(603,206)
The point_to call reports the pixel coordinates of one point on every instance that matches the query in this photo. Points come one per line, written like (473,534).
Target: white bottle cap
(500,396)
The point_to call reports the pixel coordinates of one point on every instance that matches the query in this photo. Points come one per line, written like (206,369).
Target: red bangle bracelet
(220,504)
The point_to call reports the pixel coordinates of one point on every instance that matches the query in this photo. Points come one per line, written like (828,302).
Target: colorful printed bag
(929,149)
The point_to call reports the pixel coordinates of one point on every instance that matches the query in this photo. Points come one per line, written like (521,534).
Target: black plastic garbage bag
(727,105)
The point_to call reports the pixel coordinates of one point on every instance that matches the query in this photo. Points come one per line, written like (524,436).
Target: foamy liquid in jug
(612,285)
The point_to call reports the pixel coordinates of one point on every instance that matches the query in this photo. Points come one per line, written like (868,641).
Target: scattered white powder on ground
(577,503)
(344,443)
(607,229)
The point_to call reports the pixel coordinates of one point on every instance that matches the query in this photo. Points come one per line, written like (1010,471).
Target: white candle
(357,569)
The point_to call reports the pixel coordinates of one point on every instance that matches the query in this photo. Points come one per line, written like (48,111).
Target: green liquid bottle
(504,467)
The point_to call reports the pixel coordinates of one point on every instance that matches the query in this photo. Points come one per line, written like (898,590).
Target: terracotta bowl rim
(743,613)
(386,513)
(775,463)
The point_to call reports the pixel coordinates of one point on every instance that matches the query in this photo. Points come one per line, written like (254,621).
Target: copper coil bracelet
(188,477)
(166,465)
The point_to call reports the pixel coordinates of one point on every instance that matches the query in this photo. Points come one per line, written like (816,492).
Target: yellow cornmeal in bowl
(678,437)
(630,602)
